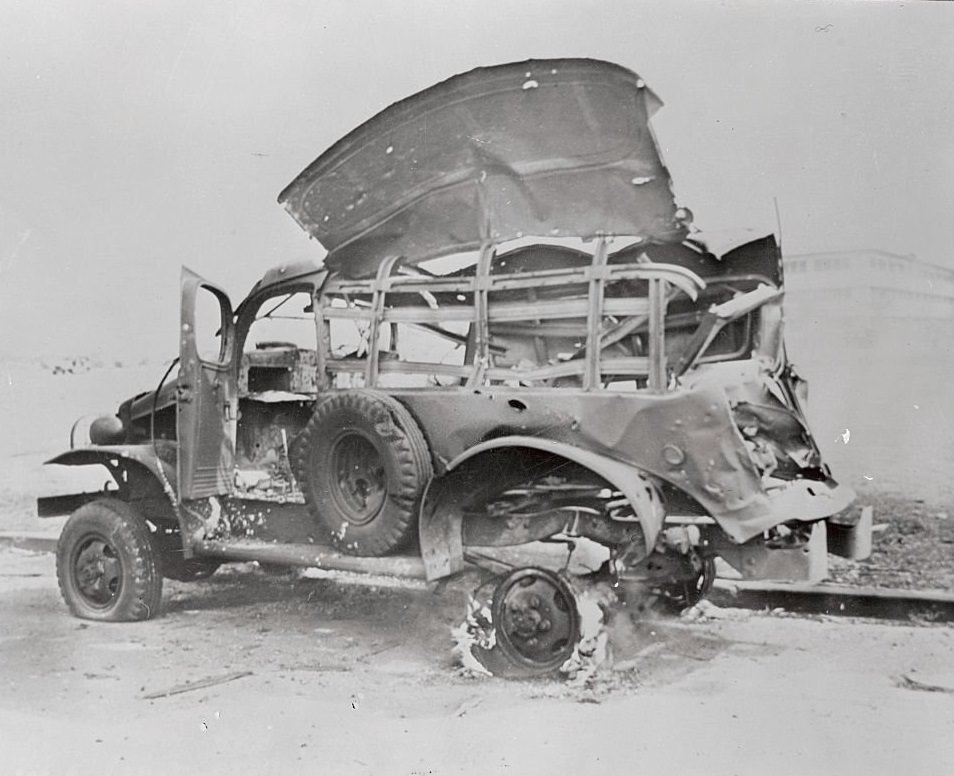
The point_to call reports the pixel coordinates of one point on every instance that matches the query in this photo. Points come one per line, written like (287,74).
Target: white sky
(139,136)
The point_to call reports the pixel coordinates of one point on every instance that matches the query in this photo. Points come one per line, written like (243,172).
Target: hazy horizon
(140,137)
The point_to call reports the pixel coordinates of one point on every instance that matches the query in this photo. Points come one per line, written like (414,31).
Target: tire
(107,566)
(363,464)
(535,622)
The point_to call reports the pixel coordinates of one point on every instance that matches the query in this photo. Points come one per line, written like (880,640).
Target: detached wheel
(536,618)
(535,623)
(106,564)
(363,464)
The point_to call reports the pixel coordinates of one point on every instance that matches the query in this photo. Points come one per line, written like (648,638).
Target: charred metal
(516,337)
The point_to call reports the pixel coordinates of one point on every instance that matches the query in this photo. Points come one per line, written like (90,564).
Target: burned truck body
(515,337)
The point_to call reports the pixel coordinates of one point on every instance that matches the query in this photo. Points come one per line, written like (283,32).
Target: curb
(34,542)
(881,603)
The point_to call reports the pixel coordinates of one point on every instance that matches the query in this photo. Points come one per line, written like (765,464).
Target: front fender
(441,518)
(114,458)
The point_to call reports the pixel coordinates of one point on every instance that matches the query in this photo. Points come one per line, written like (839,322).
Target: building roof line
(910,257)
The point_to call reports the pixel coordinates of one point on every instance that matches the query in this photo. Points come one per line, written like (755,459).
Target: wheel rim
(97,572)
(359,483)
(536,621)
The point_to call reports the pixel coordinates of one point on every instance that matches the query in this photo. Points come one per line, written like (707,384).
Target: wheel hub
(360,479)
(98,572)
(536,619)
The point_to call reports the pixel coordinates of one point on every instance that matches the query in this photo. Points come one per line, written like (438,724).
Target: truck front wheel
(107,565)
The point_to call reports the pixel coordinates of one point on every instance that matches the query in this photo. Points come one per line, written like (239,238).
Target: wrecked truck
(516,339)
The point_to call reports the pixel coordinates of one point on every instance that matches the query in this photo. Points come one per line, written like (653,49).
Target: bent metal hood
(548,148)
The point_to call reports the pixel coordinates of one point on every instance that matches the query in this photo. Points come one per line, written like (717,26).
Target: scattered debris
(467,706)
(593,650)
(379,649)
(706,610)
(475,631)
(908,683)
(71,365)
(199,684)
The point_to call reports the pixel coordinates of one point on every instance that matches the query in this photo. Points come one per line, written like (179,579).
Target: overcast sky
(139,136)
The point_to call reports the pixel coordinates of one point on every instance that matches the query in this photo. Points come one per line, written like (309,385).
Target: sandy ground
(340,679)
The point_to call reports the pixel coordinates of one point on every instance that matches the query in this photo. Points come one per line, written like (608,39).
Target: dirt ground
(306,676)
(913,547)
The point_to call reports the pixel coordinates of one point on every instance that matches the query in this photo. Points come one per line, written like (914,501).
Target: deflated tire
(107,565)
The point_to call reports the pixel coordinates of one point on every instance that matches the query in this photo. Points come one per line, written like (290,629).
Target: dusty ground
(339,679)
(913,547)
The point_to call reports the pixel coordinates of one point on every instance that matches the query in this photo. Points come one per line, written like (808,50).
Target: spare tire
(363,463)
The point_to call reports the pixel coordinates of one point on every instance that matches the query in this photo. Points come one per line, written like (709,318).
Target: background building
(873,332)
(867,298)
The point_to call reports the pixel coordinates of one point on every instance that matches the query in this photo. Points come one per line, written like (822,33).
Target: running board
(310,555)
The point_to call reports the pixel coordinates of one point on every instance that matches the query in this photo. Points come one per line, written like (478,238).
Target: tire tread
(141,595)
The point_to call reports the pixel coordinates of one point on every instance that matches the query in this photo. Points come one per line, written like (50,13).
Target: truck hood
(550,148)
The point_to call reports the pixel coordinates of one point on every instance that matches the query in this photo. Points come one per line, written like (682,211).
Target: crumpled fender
(440,529)
(112,457)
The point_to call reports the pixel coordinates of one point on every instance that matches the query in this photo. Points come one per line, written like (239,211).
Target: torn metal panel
(264,441)
(688,438)
(717,317)
(491,155)
(768,414)
(759,259)
(805,561)
(515,490)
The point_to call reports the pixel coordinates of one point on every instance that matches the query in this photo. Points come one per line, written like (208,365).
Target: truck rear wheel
(363,464)
(106,564)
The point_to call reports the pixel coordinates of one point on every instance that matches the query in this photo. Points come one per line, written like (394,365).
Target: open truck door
(206,391)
